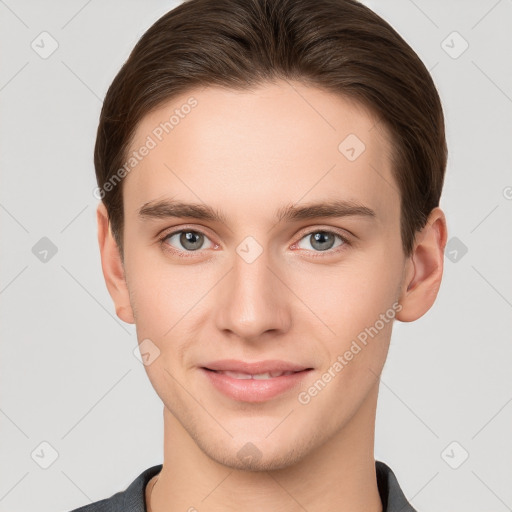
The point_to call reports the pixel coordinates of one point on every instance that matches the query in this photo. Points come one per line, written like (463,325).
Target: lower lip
(254,390)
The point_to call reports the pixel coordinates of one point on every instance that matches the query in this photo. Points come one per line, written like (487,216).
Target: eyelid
(163,233)
(325,229)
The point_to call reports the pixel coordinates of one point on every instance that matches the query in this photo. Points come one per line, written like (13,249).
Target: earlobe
(424,269)
(112,267)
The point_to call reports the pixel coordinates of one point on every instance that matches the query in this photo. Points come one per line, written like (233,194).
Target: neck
(338,475)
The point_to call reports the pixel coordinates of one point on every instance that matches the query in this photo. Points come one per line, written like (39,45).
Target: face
(260,272)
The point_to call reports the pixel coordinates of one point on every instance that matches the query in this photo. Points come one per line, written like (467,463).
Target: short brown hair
(339,46)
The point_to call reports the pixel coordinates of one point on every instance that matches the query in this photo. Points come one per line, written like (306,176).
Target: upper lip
(253,368)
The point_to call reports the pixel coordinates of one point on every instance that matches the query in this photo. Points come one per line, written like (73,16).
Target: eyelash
(188,254)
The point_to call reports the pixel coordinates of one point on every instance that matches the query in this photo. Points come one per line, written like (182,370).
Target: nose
(253,301)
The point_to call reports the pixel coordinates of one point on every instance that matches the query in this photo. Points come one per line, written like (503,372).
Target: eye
(322,240)
(186,240)
(189,241)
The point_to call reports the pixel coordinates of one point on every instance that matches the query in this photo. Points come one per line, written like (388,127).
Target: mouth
(255,376)
(254,382)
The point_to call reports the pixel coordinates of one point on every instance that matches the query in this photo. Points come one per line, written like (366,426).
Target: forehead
(277,143)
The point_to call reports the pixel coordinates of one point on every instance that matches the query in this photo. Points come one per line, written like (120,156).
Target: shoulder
(132,499)
(392,497)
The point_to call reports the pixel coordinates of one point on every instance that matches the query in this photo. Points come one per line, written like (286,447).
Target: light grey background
(67,369)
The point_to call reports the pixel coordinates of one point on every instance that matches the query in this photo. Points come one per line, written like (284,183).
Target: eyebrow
(166,208)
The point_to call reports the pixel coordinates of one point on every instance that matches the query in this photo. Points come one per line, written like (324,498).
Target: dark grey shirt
(133,498)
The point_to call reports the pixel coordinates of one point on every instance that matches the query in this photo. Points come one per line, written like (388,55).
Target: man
(270,174)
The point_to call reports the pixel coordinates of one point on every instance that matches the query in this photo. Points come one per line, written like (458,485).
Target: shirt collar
(133,498)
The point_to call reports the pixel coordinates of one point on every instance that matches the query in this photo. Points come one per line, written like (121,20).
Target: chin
(257,456)
(270,462)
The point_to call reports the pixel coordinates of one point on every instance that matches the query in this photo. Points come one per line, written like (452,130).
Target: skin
(248,154)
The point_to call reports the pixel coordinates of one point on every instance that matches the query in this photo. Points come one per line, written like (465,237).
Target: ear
(424,269)
(112,266)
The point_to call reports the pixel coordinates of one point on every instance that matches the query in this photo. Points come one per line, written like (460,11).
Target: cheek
(163,310)
(359,306)
(169,303)
(149,283)
(345,299)
(371,294)
(163,305)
